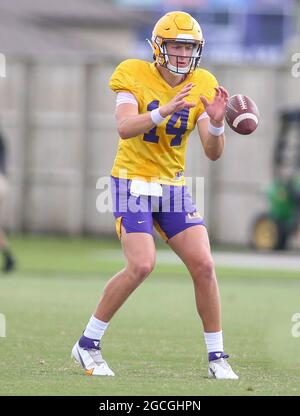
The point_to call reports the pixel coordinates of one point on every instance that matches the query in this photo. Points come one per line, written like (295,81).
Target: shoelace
(97,356)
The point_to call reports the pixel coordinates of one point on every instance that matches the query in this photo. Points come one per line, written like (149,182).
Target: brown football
(241,114)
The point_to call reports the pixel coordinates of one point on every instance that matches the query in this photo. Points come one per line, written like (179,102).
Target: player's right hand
(178,102)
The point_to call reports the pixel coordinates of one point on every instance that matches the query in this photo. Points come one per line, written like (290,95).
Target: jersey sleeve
(122,80)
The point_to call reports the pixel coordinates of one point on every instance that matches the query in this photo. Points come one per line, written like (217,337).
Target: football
(241,114)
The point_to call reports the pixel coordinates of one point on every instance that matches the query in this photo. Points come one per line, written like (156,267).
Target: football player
(157,106)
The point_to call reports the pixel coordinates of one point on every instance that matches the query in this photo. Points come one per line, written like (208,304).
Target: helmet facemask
(162,56)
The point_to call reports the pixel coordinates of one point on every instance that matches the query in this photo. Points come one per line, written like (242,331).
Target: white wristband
(215,131)
(156,117)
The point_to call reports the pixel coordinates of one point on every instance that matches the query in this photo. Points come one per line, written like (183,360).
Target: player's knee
(204,269)
(141,269)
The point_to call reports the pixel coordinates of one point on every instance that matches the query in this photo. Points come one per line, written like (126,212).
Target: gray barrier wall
(58,118)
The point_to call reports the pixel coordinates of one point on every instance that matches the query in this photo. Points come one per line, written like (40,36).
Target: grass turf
(154,343)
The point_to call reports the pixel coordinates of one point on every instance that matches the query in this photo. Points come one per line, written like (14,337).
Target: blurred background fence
(57,113)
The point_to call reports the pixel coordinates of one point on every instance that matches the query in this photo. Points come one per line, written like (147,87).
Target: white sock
(214,341)
(95,328)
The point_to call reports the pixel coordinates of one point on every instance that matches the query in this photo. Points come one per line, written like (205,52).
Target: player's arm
(130,123)
(213,144)
(211,128)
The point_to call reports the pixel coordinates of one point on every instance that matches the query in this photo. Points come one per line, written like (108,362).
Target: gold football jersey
(159,154)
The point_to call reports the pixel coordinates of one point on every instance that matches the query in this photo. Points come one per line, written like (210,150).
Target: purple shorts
(170,213)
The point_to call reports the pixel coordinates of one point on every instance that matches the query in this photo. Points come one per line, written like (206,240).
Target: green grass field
(155,343)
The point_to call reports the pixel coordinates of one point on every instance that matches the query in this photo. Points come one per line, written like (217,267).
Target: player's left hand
(216,109)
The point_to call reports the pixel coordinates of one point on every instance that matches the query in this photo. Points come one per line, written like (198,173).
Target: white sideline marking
(253,260)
